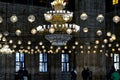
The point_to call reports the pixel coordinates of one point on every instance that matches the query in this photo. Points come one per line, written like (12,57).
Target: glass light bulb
(31,18)
(18,32)
(13,18)
(100,18)
(83,16)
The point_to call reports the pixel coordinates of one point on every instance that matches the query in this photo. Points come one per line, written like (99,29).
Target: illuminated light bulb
(69,31)
(96,47)
(113,49)
(81,47)
(32,50)
(97,41)
(94,51)
(99,32)
(83,16)
(6,33)
(44,50)
(26,51)
(111,40)
(31,18)
(51,30)
(43,47)
(73,47)
(117,45)
(40,43)
(109,45)
(1,19)
(48,17)
(63,51)
(3,39)
(116,19)
(76,43)
(28,47)
(51,47)
(105,41)
(18,32)
(103,46)
(36,47)
(111,54)
(106,54)
(13,18)
(88,52)
(59,48)
(113,36)
(29,42)
(108,34)
(85,29)
(118,49)
(19,42)
(33,31)
(82,51)
(66,17)
(14,46)
(89,47)
(101,51)
(70,51)
(40,28)
(100,18)
(65,47)
(10,41)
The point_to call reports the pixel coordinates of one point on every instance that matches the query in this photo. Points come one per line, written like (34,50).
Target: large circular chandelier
(59,19)
(59,29)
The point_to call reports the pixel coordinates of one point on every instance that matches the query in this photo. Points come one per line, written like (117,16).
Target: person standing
(73,75)
(115,75)
(85,74)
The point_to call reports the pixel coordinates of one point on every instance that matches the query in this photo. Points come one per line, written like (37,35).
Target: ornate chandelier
(58,39)
(59,19)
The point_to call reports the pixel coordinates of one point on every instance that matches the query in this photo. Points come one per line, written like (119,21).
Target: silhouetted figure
(20,74)
(112,70)
(115,76)
(85,73)
(89,74)
(73,75)
(25,74)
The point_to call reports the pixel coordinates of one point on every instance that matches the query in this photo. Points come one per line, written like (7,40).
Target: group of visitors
(86,74)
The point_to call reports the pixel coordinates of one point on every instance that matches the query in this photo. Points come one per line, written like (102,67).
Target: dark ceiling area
(46,3)
(110,7)
(42,3)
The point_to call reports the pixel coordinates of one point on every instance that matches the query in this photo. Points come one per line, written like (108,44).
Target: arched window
(43,64)
(116,61)
(19,61)
(65,62)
